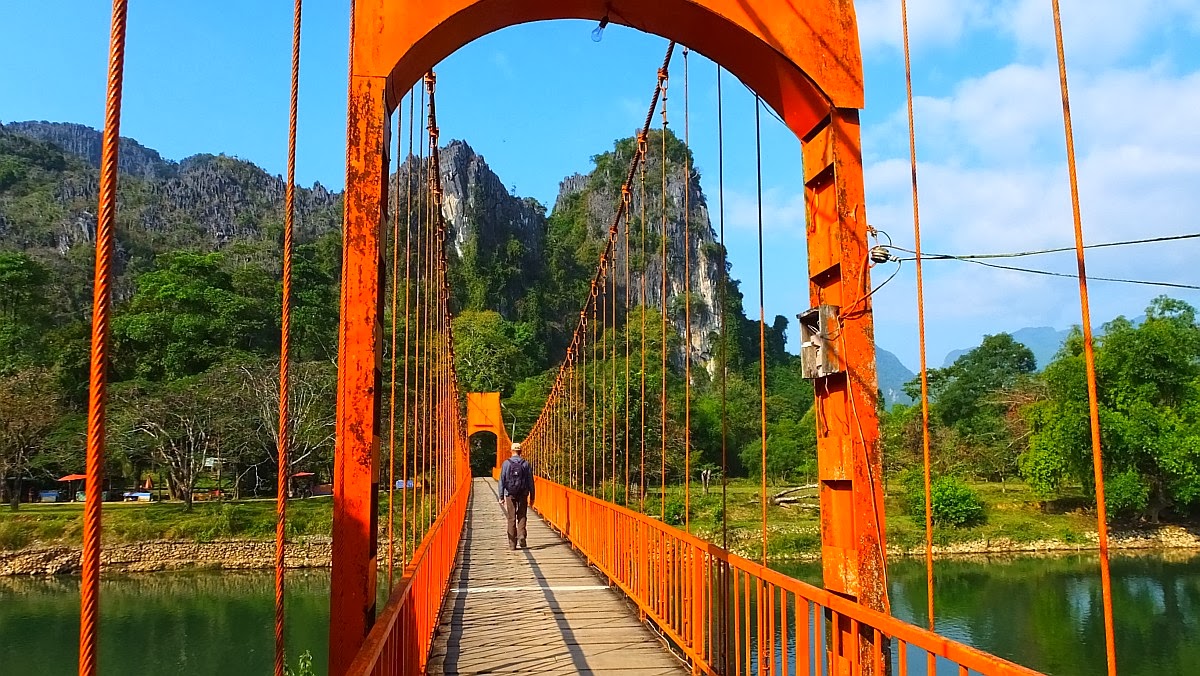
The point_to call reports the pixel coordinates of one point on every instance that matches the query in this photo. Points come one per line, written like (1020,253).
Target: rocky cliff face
(693,257)
(213,201)
(205,201)
(477,205)
(134,158)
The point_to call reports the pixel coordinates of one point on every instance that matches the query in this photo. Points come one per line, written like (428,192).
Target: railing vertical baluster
(784,649)
(737,624)
(803,660)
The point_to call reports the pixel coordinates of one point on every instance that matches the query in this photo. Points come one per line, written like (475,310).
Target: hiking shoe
(521,543)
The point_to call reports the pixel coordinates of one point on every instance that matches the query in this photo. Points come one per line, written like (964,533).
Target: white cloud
(782,211)
(1004,114)
(1094,31)
(993,178)
(930,22)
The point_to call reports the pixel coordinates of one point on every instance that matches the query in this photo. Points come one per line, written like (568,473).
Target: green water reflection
(163,623)
(1046,613)
(1040,612)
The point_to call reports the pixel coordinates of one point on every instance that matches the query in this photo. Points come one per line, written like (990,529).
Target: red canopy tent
(72,478)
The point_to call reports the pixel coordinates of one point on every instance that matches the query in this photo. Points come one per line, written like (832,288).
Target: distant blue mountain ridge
(892,374)
(1043,341)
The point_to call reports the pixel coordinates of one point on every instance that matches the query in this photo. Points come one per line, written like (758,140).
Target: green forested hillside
(196,339)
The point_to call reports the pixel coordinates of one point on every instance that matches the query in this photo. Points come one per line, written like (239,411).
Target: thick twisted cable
(285,350)
(101,308)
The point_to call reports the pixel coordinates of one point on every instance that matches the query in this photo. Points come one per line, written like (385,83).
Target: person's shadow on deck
(450,664)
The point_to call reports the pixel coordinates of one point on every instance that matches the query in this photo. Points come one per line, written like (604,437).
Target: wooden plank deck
(538,610)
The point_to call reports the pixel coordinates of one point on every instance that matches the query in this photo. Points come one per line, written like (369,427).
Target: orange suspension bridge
(600,445)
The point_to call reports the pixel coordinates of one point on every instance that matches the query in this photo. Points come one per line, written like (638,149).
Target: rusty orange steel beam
(356,463)
(803,60)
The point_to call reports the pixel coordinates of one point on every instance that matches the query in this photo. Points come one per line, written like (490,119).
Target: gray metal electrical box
(817,332)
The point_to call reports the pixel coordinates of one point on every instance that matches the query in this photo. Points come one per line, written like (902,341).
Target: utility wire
(1038,252)
(1048,273)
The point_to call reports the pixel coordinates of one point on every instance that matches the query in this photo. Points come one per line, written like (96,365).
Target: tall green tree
(1149,394)
(968,398)
(24,310)
(192,312)
(491,353)
(30,407)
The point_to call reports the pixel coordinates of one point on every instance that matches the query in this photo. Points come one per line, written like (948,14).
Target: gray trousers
(515,512)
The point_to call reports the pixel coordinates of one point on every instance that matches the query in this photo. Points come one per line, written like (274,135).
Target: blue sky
(539,100)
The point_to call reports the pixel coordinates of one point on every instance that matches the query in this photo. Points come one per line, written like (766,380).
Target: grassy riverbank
(1014,516)
(133,522)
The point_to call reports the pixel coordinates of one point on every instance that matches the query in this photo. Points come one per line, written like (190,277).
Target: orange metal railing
(729,615)
(400,640)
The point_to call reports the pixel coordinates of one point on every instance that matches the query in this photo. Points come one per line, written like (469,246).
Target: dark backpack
(516,480)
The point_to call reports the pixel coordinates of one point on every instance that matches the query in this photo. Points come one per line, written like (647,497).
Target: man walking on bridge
(516,492)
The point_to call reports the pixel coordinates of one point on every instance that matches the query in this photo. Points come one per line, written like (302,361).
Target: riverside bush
(1126,494)
(955,504)
(675,511)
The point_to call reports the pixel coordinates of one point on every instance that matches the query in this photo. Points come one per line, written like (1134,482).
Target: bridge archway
(484,415)
(483,447)
(803,59)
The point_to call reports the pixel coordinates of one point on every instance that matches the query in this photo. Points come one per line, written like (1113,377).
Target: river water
(1040,612)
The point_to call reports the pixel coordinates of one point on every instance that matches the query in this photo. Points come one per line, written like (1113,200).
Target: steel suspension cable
(605,389)
(432,328)
(724,363)
(1089,355)
(626,195)
(613,341)
(581,402)
(437,277)
(106,220)
(762,366)
(912,154)
(422,312)
(603,376)
(595,398)
(762,327)
(394,199)
(662,394)
(283,480)
(430,290)
(687,307)
(643,147)
(408,179)
(579,347)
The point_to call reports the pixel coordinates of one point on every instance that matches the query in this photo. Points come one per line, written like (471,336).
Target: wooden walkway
(538,610)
